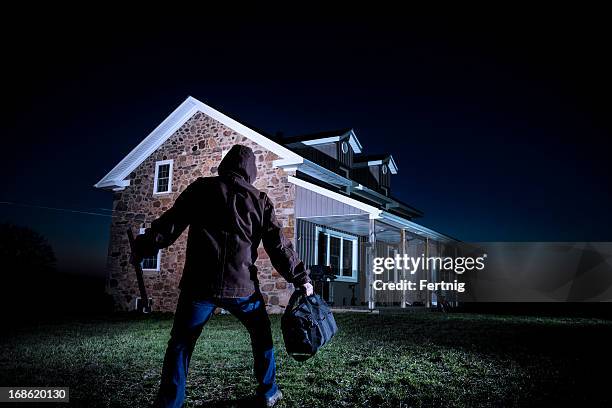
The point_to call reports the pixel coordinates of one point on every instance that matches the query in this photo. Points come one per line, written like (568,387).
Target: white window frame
(142,231)
(138,298)
(344,146)
(161,163)
(343,237)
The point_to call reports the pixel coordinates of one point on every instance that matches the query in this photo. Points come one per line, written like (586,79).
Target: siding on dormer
(345,159)
(329,149)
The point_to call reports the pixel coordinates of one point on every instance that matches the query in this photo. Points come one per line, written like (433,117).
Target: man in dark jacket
(227,218)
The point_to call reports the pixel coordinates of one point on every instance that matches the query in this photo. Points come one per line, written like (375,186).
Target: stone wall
(196,149)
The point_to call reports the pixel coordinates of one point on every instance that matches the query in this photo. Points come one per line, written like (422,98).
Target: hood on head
(240,160)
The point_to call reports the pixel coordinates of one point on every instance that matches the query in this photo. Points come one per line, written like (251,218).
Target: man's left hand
(308,289)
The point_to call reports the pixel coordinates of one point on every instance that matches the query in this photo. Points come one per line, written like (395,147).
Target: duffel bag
(307,325)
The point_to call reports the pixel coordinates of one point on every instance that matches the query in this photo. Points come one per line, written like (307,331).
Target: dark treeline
(32,286)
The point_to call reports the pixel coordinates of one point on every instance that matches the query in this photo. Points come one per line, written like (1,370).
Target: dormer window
(375,172)
(332,150)
(345,147)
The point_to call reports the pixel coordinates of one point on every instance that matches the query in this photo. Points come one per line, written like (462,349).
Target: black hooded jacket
(227,218)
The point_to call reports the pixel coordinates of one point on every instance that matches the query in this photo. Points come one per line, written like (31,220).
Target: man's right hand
(135,259)
(144,245)
(308,289)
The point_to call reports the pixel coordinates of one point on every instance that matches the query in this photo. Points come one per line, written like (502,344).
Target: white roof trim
(335,196)
(316,142)
(392,165)
(115,184)
(414,227)
(321,173)
(115,179)
(354,142)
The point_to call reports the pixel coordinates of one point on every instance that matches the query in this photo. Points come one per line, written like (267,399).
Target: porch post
(403,270)
(371,254)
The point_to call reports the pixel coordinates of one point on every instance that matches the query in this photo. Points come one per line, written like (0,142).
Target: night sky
(499,126)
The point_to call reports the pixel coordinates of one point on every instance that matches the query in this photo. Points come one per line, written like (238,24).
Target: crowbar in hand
(144,307)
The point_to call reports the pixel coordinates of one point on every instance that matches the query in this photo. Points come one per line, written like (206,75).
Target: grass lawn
(411,359)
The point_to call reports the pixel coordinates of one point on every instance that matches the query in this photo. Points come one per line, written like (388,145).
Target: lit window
(163,177)
(347,258)
(384,169)
(339,251)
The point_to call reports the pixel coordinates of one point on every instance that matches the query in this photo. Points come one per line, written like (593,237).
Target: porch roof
(387,226)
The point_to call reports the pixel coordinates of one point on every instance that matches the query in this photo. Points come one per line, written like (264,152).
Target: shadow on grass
(428,359)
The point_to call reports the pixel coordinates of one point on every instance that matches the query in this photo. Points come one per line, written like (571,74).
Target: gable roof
(373,159)
(324,137)
(116,178)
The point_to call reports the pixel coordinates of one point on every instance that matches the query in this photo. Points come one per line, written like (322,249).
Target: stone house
(334,201)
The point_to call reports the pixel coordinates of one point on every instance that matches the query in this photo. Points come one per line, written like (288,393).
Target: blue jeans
(191,316)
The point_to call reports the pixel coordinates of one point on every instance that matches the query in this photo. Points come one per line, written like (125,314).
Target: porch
(349,245)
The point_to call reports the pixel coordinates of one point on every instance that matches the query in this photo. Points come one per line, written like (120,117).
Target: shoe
(272,400)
